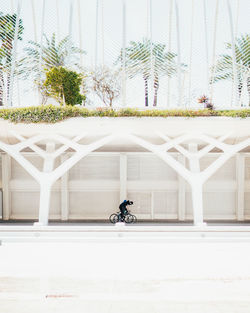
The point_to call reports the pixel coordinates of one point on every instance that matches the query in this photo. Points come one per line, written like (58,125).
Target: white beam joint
(48,164)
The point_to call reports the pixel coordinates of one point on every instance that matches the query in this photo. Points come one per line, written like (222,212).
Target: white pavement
(101,277)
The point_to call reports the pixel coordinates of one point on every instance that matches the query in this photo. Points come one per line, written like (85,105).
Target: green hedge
(52,114)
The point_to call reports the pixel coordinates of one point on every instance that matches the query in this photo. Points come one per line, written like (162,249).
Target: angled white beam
(180,169)
(29,167)
(233,149)
(82,152)
(34,147)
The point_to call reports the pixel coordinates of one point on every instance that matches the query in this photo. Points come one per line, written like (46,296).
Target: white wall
(91,189)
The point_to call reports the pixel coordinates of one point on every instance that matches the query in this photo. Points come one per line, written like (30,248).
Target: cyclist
(123,208)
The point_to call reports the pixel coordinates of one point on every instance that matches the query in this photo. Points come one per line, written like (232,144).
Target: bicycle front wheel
(134,218)
(129,219)
(113,218)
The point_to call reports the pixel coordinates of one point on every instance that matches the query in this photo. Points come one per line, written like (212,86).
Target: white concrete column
(123,176)
(181,192)
(6,175)
(45,186)
(44,205)
(64,192)
(197,192)
(194,163)
(197,204)
(240,178)
(48,164)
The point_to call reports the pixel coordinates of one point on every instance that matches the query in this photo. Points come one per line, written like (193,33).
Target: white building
(174,169)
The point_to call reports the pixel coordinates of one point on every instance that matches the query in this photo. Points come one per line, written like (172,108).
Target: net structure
(130,53)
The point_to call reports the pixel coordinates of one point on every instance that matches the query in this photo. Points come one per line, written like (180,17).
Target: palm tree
(224,70)
(163,64)
(137,57)
(7,34)
(41,58)
(51,54)
(138,61)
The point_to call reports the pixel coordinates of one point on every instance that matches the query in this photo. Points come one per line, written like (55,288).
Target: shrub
(52,114)
(64,85)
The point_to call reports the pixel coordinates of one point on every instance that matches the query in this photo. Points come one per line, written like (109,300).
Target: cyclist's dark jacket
(123,207)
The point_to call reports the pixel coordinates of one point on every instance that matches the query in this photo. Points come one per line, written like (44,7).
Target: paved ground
(125,277)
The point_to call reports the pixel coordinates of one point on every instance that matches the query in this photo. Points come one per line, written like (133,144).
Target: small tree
(64,85)
(106,84)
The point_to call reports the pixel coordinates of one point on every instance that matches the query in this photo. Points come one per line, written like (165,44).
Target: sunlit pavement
(125,277)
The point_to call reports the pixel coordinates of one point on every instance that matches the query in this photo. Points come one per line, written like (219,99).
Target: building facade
(177,169)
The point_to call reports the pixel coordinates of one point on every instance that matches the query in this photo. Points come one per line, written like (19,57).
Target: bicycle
(117,217)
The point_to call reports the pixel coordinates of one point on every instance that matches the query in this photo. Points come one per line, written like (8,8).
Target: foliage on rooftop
(53,114)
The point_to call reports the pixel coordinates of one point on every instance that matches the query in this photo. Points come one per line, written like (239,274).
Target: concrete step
(123,233)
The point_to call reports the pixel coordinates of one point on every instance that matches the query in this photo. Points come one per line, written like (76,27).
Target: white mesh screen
(142,202)
(165,202)
(18,172)
(221,205)
(247,204)
(96,167)
(149,167)
(189,205)
(227,171)
(25,205)
(167,53)
(247,168)
(1,183)
(99,204)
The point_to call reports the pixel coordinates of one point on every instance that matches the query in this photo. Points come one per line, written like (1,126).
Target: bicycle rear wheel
(113,218)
